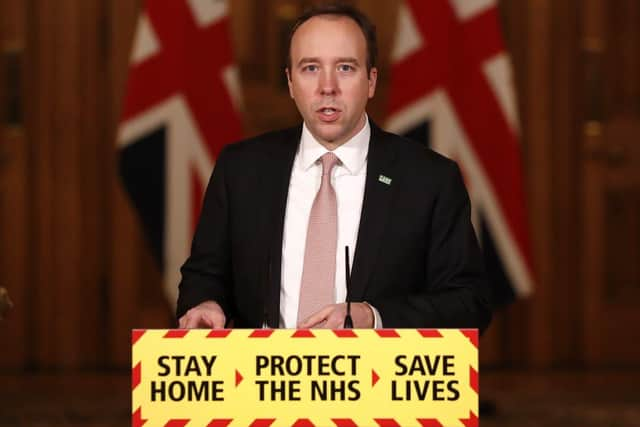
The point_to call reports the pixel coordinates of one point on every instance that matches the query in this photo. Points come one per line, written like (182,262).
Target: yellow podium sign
(303,378)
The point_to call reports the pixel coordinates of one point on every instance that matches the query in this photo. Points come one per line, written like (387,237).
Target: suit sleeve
(206,275)
(455,292)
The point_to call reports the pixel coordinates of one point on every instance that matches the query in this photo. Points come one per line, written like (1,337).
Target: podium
(302,378)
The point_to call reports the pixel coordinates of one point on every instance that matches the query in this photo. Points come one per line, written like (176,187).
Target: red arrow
(239,378)
(374,378)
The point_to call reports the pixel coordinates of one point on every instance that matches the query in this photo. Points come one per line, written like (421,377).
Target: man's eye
(311,68)
(345,67)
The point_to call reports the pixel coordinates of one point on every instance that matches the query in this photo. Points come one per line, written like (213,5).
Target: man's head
(331,71)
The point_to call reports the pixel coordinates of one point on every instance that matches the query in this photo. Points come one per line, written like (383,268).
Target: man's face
(328,77)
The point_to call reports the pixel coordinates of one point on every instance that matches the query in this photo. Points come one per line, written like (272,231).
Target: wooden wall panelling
(123,242)
(14,246)
(623,57)
(84,141)
(69,209)
(592,44)
(14,202)
(93,170)
(611,182)
(564,297)
(538,154)
(66,210)
(41,77)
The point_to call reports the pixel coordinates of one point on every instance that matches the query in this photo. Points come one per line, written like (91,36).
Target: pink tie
(319,269)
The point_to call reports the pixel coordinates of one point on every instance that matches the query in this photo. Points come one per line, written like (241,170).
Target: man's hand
(332,317)
(204,315)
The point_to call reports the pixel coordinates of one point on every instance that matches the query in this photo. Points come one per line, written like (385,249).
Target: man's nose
(328,83)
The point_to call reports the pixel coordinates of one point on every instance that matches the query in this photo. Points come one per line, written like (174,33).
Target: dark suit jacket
(417,259)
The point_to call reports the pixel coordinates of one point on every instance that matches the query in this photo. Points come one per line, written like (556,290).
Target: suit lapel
(376,205)
(275,189)
(375,209)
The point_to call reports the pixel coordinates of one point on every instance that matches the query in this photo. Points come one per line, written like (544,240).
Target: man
(281,207)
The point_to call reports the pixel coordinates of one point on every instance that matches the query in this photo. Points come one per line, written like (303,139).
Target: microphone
(348,322)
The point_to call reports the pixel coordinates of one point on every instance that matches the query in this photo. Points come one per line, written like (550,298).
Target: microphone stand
(348,322)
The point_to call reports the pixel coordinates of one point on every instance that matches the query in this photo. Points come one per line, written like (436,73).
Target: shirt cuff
(377,320)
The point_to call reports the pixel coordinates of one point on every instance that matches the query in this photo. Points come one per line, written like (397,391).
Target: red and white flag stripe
(449,66)
(182,78)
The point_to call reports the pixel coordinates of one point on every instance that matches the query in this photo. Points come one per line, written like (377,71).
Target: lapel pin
(384,179)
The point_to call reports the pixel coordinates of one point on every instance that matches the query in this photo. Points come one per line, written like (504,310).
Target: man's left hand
(332,317)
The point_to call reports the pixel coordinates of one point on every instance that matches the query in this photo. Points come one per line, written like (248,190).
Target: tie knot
(329,160)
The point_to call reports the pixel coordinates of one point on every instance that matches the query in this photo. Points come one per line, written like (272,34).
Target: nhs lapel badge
(384,179)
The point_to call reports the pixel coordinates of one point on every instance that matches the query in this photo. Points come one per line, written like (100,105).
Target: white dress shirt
(348,180)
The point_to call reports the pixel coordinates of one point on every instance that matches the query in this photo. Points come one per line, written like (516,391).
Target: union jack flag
(181,107)
(451,87)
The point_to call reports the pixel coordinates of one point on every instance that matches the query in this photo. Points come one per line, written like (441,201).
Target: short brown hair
(341,9)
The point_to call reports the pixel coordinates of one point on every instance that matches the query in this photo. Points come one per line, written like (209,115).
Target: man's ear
(373,79)
(288,74)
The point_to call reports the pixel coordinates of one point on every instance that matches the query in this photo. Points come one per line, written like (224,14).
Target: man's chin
(329,137)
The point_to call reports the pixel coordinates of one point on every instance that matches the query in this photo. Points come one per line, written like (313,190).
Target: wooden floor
(549,399)
(563,399)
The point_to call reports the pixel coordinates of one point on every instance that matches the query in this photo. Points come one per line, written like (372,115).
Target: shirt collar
(352,154)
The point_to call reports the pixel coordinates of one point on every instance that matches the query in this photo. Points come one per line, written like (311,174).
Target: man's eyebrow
(308,60)
(347,59)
